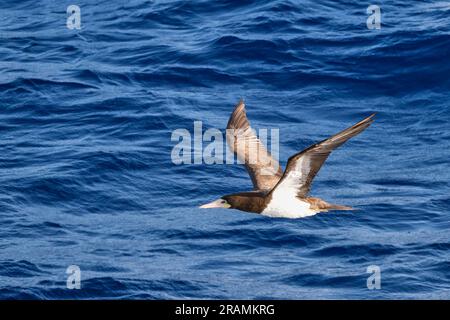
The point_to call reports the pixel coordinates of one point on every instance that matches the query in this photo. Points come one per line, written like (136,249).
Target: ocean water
(87,179)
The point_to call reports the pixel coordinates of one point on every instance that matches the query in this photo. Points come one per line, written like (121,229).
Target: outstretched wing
(303,166)
(263,169)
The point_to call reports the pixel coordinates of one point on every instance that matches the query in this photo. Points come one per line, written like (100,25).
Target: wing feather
(303,166)
(263,169)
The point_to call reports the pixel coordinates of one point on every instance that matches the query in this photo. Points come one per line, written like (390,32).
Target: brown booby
(278,194)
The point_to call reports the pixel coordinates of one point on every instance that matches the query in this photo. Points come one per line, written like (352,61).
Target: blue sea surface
(87,179)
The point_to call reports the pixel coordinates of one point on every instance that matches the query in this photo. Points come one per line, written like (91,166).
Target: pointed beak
(215,204)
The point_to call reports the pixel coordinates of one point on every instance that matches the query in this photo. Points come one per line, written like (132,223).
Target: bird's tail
(321,205)
(339,207)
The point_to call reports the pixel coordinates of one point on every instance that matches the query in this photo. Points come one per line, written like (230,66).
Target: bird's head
(222,202)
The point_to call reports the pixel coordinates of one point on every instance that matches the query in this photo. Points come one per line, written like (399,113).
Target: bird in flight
(277,193)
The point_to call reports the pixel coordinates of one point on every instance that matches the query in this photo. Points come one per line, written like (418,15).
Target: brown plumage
(252,201)
(263,169)
(276,192)
(321,205)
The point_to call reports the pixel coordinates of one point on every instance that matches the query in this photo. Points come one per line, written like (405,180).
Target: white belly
(288,207)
